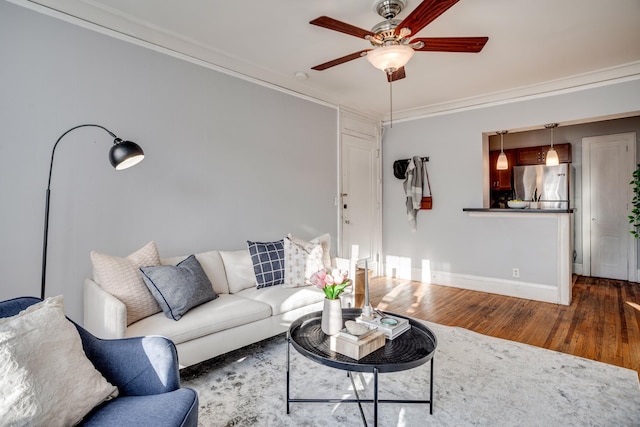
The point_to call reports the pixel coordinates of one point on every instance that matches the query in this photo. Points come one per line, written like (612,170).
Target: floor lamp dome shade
(123,154)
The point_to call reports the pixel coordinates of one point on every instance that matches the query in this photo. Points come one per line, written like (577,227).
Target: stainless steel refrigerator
(552,184)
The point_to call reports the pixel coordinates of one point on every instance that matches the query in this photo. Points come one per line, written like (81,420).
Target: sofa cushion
(300,262)
(324,240)
(239,270)
(46,377)
(225,312)
(179,288)
(121,277)
(283,299)
(268,262)
(212,264)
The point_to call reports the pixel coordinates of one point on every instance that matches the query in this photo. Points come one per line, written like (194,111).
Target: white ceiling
(534,46)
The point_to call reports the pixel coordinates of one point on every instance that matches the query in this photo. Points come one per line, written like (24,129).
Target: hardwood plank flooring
(602,323)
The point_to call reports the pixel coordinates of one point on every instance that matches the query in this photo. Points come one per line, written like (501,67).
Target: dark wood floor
(602,322)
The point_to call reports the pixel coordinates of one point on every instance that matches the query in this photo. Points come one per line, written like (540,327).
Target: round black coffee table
(413,348)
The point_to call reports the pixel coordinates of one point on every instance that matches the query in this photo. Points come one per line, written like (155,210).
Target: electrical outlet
(516,272)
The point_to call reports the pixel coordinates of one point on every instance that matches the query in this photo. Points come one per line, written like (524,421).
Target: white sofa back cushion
(239,268)
(212,265)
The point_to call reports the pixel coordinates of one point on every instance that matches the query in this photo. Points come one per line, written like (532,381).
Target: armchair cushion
(176,408)
(46,377)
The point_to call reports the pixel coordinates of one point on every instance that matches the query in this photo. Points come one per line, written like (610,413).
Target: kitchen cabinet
(538,155)
(500,179)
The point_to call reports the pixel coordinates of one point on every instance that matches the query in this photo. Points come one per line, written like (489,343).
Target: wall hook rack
(400,167)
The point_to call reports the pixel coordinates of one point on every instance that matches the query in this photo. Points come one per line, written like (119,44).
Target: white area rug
(479,380)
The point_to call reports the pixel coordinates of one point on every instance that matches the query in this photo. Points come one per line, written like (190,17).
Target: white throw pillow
(300,262)
(46,377)
(325,242)
(121,277)
(239,269)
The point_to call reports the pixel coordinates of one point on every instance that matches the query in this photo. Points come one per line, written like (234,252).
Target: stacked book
(356,346)
(383,324)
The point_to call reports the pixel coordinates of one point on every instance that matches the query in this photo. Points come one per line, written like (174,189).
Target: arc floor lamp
(122,155)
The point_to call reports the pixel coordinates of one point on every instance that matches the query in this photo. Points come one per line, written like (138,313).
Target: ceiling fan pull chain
(390,102)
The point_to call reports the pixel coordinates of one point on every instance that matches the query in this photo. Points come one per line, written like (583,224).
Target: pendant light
(502,163)
(552,154)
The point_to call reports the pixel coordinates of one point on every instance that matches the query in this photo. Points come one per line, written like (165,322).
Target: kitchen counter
(561,294)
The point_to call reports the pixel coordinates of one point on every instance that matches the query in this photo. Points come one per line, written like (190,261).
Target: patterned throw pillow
(121,277)
(300,262)
(268,262)
(325,242)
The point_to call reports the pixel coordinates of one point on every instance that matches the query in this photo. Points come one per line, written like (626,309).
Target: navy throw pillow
(268,262)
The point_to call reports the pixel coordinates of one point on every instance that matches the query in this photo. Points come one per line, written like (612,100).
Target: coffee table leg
(375,397)
(355,391)
(431,389)
(288,350)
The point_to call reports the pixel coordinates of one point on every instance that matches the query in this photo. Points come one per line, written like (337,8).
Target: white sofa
(241,315)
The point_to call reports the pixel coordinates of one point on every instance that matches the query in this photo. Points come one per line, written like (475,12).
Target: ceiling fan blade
(339,61)
(343,27)
(451,44)
(396,75)
(422,15)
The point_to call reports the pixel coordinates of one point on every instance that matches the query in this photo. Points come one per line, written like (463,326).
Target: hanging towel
(413,190)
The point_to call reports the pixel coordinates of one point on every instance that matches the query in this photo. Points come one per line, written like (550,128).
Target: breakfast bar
(563,244)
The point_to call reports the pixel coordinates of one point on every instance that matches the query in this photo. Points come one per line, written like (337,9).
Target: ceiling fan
(392,48)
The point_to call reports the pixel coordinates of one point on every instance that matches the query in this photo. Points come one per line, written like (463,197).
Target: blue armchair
(145,370)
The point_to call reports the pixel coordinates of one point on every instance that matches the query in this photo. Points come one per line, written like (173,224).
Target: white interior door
(608,164)
(360,189)
(358,196)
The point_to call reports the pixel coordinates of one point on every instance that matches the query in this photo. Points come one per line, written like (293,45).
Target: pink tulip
(317,281)
(329,280)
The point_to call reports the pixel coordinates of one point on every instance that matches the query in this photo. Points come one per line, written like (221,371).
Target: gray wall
(452,240)
(226,160)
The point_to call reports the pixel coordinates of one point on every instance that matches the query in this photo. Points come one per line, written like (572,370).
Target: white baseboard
(513,288)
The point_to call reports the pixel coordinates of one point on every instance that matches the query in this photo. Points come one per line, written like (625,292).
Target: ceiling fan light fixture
(390,58)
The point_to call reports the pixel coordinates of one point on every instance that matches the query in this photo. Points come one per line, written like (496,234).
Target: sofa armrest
(105,316)
(138,366)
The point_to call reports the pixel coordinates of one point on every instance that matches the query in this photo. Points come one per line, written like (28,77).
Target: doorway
(609,249)
(360,188)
